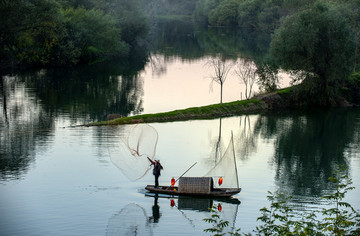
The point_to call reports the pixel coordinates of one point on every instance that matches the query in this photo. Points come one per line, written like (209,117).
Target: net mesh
(225,168)
(131,220)
(130,148)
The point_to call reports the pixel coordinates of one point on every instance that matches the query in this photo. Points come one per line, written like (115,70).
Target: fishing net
(130,147)
(224,173)
(131,220)
(228,212)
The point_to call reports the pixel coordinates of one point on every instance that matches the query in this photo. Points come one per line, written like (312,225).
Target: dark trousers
(157,181)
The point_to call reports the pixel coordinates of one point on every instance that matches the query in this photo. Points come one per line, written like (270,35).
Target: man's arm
(152,162)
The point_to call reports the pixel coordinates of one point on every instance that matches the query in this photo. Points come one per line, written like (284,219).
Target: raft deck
(194,186)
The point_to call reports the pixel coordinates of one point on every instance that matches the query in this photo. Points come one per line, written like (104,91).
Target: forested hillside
(316,41)
(68,32)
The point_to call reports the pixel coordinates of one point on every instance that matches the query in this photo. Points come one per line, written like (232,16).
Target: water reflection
(300,147)
(308,146)
(18,138)
(155,211)
(136,219)
(131,220)
(88,93)
(246,139)
(217,145)
(33,104)
(179,37)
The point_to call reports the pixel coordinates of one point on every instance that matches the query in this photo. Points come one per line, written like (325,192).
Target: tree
(27,31)
(66,32)
(221,69)
(129,17)
(224,14)
(282,219)
(316,46)
(260,14)
(203,7)
(93,33)
(268,72)
(246,72)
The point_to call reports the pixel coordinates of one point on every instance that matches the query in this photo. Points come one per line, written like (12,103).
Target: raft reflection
(134,219)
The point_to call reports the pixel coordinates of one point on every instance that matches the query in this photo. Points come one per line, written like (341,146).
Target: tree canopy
(67,32)
(317,46)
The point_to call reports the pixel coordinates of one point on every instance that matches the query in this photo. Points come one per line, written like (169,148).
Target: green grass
(284,91)
(204,112)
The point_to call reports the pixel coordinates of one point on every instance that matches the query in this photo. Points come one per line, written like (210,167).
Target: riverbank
(280,99)
(257,104)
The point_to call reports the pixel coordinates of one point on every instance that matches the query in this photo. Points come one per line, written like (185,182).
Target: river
(56,179)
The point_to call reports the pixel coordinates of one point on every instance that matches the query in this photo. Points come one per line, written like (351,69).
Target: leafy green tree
(28,30)
(66,32)
(316,45)
(260,14)
(351,10)
(268,73)
(281,219)
(351,91)
(218,224)
(203,7)
(93,33)
(87,4)
(128,16)
(225,14)
(342,218)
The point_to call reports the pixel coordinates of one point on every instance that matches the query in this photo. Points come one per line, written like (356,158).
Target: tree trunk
(221,92)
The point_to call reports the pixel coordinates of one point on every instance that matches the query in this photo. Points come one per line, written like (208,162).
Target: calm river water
(59,180)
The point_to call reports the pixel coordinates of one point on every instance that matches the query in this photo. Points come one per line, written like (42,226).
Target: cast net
(131,220)
(224,173)
(130,147)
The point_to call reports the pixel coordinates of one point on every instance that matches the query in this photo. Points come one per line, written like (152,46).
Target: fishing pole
(183,174)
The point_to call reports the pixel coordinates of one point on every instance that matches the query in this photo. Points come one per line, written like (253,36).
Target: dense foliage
(317,41)
(67,32)
(317,46)
(339,217)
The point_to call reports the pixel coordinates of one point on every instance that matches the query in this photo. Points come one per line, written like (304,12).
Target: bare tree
(246,72)
(221,69)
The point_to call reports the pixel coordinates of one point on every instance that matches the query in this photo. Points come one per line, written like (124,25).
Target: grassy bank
(282,98)
(203,112)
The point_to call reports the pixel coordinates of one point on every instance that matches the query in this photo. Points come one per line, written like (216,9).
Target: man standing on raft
(156,171)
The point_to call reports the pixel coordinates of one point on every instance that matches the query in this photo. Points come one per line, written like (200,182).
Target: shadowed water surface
(58,180)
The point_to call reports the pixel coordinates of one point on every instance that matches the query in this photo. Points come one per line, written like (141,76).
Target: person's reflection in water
(155,211)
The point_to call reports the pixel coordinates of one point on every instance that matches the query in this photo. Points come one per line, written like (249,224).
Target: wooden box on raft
(202,185)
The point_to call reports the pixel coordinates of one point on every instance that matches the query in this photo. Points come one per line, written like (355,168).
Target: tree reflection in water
(246,140)
(308,146)
(32,102)
(18,137)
